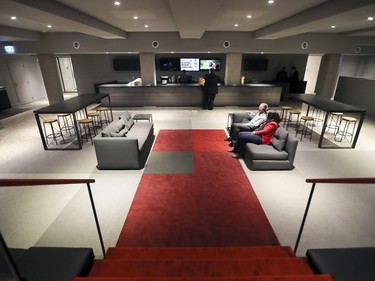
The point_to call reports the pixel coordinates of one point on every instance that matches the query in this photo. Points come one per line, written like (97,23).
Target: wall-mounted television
(189,64)
(257,64)
(169,64)
(206,64)
(126,64)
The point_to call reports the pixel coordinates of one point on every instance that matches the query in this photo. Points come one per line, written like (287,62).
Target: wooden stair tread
(165,268)
(197,252)
(257,278)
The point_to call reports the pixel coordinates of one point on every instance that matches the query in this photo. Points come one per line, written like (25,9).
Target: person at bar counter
(282,76)
(184,78)
(263,136)
(295,75)
(252,121)
(210,89)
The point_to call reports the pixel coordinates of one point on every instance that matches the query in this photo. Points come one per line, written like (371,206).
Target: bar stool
(317,114)
(95,116)
(66,121)
(334,121)
(103,115)
(284,113)
(87,129)
(307,121)
(290,122)
(55,133)
(344,132)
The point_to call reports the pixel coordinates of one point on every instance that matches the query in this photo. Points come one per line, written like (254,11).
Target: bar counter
(174,95)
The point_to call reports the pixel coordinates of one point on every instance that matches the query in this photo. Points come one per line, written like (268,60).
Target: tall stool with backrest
(308,121)
(347,122)
(54,132)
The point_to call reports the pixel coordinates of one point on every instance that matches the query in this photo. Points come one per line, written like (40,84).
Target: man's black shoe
(231,144)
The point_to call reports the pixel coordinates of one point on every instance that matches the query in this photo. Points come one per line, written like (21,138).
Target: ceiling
(190,18)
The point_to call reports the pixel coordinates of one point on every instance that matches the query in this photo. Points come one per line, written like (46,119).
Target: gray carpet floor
(340,215)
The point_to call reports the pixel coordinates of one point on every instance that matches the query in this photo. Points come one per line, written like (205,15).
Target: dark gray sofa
(279,155)
(124,144)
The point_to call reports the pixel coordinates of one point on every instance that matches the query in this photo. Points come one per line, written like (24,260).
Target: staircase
(270,263)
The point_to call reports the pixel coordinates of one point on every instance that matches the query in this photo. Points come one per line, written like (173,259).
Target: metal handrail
(326,180)
(33,182)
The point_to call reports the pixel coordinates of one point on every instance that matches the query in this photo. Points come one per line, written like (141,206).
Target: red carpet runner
(214,206)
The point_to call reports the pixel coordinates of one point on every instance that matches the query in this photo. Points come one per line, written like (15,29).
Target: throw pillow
(126,115)
(114,127)
(280,138)
(122,133)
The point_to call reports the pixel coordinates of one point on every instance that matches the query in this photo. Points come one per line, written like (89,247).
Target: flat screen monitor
(126,64)
(257,64)
(189,64)
(169,64)
(206,64)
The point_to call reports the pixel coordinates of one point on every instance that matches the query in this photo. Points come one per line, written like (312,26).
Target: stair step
(173,268)
(257,278)
(148,253)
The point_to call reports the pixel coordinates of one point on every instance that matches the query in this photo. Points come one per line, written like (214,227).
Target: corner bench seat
(345,264)
(49,263)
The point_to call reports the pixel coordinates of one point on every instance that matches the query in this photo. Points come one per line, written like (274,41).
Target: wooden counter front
(174,95)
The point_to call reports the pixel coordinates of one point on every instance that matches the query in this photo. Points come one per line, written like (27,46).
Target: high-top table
(329,106)
(70,106)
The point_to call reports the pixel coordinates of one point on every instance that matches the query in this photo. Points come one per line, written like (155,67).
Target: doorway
(68,82)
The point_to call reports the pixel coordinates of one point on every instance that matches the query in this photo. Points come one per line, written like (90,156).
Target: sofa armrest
(291,147)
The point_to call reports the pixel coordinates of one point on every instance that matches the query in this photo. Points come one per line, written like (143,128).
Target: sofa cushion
(265,152)
(280,138)
(248,117)
(113,127)
(140,131)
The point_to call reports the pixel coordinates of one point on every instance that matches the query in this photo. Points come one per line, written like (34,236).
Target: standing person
(210,89)
(294,77)
(282,75)
(184,78)
(263,136)
(251,122)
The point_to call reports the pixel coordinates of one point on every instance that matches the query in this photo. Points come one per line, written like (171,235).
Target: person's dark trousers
(236,128)
(208,102)
(243,139)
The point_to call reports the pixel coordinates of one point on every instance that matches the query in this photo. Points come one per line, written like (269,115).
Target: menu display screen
(189,64)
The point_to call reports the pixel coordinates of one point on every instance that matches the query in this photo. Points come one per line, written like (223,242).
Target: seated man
(252,122)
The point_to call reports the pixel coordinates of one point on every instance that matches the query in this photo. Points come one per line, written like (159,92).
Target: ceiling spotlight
(271,1)
(333,26)
(236,25)
(249,16)
(135,17)
(370,18)
(13,18)
(146,25)
(49,26)
(117,3)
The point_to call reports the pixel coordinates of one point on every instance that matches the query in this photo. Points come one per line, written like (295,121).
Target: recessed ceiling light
(248,16)
(146,25)
(236,25)
(271,1)
(13,18)
(117,3)
(333,26)
(49,26)
(370,18)
(135,17)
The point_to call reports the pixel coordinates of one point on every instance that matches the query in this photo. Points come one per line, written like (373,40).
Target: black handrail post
(96,218)
(304,217)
